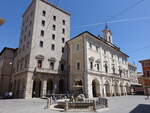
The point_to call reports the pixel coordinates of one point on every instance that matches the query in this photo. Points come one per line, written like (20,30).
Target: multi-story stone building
(145,79)
(7,56)
(133,74)
(97,66)
(40,63)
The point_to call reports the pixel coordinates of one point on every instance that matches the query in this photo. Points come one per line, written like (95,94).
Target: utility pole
(1,21)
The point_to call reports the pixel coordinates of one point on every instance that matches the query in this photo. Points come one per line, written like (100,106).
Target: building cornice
(102,40)
(48,3)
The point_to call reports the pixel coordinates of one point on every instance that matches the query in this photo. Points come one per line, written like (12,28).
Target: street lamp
(1,21)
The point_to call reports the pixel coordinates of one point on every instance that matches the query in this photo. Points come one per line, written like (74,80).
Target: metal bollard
(48,103)
(66,105)
(106,103)
(94,105)
(51,100)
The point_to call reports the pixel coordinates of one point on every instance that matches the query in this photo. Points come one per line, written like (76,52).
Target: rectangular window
(62,49)
(26,63)
(96,48)
(104,52)
(148,73)
(53,47)
(52,65)
(30,23)
(29,33)
(43,22)
(90,45)
(41,44)
(62,67)
(64,22)
(97,67)
(54,18)
(42,33)
(26,28)
(53,36)
(28,44)
(44,13)
(63,40)
(39,63)
(24,38)
(91,65)
(77,47)
(54,27)
(63,31)
(78,66)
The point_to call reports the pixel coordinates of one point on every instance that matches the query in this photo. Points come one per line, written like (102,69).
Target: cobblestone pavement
(125,104)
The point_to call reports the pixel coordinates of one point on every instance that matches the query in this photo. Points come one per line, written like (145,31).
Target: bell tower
(107,34)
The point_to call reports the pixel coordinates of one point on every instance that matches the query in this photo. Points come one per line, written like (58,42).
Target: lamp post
(1,21)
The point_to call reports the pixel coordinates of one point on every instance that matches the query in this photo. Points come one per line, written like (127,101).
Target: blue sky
(129,36)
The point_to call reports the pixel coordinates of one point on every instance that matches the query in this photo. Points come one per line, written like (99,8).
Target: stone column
(101,92)
(125,90)
(111,90)
(29,86)
(43,88)
(119,90)
(104,88)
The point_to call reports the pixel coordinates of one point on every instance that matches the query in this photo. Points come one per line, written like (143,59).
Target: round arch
(50,86)
(96,88)
(121,89)
(36,91)
(107,88)
(61,86)
(128,90)
(116,89)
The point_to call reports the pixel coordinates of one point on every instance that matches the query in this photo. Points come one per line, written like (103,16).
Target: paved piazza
(126,104)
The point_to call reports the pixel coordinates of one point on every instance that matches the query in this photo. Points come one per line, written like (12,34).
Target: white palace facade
(97,67)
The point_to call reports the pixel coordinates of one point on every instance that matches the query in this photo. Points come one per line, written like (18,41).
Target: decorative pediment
(98,60)
(39,57)
(91,58)
(52,59)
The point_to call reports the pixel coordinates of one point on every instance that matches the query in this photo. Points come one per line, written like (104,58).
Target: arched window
(91,65)
(106,68)
(78,65)
(113,69)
